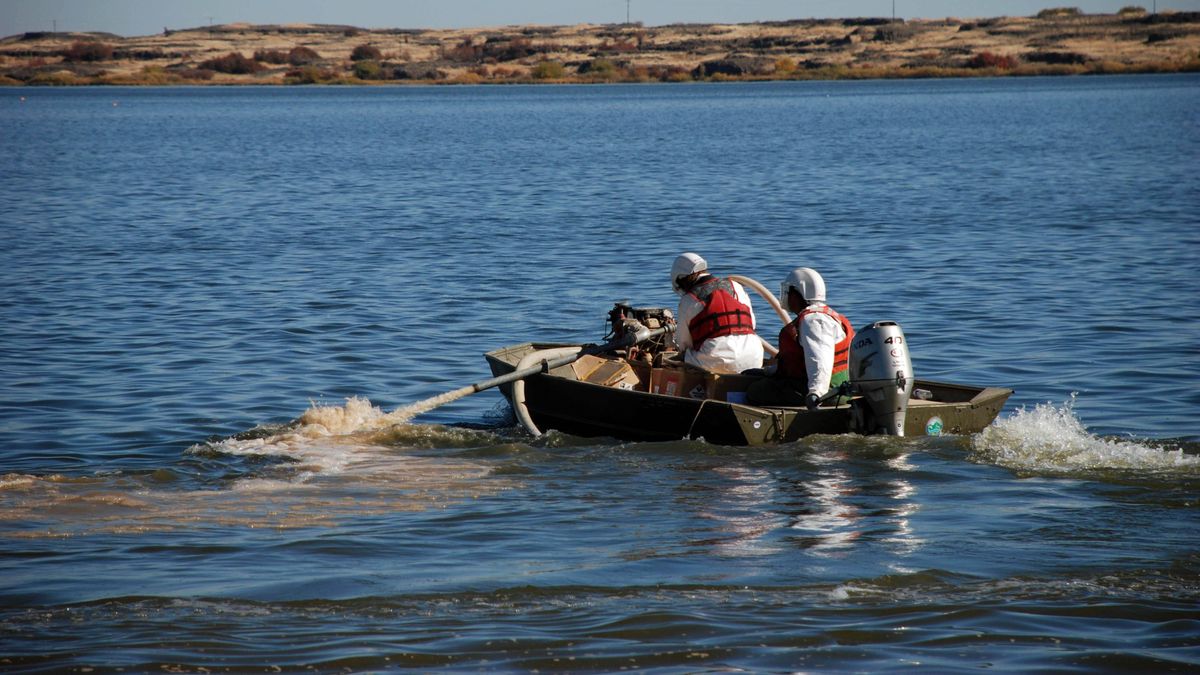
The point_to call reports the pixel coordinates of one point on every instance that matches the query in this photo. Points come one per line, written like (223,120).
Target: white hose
(518,388)
(771,300)
(767,295)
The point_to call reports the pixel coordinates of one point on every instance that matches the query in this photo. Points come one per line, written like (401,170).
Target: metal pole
(627,11)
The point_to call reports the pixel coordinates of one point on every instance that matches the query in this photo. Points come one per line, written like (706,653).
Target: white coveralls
(819,334)
(725,354)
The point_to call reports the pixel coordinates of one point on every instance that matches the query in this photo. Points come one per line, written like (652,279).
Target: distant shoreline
(1060,41)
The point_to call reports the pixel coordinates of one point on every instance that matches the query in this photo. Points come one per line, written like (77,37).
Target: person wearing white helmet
(814,349)
(715,329)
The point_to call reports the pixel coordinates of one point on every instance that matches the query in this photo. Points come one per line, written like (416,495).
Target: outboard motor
(881,370)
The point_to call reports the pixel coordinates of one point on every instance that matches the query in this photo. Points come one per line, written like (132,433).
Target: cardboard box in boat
(730,388)
(679,381)
(695,383)
(607,372)
(673,380)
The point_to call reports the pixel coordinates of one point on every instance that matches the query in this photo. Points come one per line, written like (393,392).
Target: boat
(635,388)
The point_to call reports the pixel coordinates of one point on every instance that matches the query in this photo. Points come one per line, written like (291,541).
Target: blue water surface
(180,265)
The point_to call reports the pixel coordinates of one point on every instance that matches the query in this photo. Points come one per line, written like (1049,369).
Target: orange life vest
(723,313)
(791,353)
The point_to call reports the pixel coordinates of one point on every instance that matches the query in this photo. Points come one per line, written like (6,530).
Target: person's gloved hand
(812,401)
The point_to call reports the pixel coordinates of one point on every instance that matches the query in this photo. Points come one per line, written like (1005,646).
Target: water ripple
(208,355)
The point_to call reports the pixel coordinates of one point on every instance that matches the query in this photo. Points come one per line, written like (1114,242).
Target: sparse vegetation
(1069,58)
(601,69)
(1059,13)
(468,77)
(366,53)
(273,56)
(59,78)
(618,46)
(197,74)
(232,63)
(990,60)
(309,75)
(302,56)
(368,70)
(1065,42)
(494,50)
(80,51)
(548,70)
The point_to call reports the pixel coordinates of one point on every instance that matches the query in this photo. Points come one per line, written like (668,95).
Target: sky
(146,17)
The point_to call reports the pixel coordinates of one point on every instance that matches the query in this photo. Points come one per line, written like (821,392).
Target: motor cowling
(881,371)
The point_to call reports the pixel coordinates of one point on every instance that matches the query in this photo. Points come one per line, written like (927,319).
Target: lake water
(187,271)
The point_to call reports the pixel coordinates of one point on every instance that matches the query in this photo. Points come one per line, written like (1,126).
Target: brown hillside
(1054,43)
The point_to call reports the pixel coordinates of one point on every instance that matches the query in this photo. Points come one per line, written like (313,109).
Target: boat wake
(1051,439)
(331,464)
(330,439)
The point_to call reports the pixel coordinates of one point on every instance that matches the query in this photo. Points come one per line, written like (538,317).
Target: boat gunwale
(981,394)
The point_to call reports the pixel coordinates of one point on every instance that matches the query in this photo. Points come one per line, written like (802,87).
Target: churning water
(223,307)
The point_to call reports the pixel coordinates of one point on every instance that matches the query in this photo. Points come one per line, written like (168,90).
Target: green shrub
(308,75)
(368,70)
(548,70)
(600,69)
(1131,10)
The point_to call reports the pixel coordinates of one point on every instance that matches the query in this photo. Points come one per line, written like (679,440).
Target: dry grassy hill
(1062,41)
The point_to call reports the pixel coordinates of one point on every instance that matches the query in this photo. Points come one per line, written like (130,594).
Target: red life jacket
(723,313)
(791,353)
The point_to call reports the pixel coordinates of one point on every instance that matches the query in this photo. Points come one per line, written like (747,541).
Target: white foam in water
(357,416)
(327,439)
(327,420)
(1051,438)
(320,440)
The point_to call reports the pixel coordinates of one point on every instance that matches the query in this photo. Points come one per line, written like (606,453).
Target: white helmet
(686,264)
(807,283)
